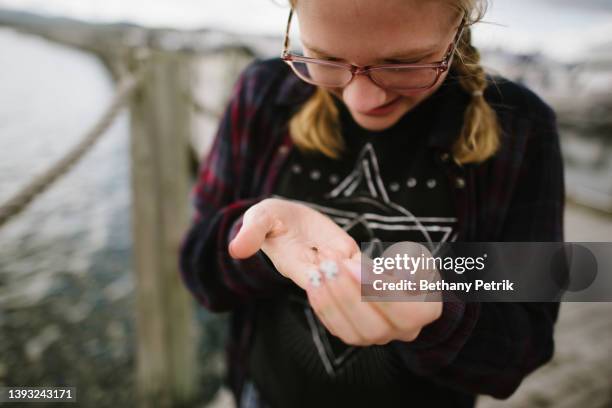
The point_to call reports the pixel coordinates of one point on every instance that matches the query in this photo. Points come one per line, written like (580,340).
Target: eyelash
(403,61)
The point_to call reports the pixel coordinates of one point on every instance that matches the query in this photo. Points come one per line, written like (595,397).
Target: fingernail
(314,277)
(329,268)
(355,268)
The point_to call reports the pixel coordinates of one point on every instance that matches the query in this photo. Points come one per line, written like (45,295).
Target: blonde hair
(315,126)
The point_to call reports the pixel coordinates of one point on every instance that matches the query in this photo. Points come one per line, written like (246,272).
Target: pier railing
(171,127)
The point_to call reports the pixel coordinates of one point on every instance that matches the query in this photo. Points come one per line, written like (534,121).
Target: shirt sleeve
(216,280)
(489,348)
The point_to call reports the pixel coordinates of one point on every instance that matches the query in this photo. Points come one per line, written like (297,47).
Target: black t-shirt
(386,187)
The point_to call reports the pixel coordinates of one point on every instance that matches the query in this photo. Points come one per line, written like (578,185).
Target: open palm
(294,237)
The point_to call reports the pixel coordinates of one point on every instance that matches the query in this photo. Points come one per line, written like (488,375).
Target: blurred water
(50,95)
(65,274)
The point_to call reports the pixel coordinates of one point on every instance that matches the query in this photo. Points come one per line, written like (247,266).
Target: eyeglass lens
(397,78)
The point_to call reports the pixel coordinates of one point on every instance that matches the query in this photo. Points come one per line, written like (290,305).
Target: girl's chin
(379,123)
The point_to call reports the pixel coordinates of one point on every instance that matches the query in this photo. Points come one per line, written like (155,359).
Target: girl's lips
(384,109)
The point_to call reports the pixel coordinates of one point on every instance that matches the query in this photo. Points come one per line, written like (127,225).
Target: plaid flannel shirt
(517,195)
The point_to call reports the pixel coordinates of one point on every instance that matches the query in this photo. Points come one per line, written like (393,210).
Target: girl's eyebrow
(414,53)
(421,52)
(316,50)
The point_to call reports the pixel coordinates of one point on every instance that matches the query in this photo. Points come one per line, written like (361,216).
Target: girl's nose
(363,95)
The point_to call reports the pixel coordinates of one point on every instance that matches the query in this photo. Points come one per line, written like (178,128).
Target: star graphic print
(367,207)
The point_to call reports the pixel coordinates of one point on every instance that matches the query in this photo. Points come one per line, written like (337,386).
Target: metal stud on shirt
(315,174)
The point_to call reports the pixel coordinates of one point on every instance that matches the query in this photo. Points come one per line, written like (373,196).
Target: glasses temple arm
(453,47)
(286,42)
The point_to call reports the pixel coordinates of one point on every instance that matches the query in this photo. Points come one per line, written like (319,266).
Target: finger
(360,268)
(401,317)
(406,318)
(296,263)
(328,325)
(411,310)
(307,278)
(330,314)
(257,222)
(344,245)
(371,326)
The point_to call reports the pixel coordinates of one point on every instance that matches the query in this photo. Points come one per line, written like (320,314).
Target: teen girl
(385,129)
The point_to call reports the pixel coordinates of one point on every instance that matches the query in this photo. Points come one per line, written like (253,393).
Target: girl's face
(366,32)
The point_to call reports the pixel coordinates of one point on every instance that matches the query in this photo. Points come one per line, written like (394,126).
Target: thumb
(256,223)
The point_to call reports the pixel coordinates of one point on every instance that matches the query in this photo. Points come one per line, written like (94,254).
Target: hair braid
(479,138)
(317,125)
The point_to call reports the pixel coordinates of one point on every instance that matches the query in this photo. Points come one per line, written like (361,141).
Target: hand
(291,234)
(338,304)
(321,258)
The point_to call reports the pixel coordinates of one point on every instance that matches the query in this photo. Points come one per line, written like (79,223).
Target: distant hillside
(108,41)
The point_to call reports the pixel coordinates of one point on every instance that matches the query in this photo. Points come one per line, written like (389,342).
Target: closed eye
(413,60)
(322,57)
(403,61)
(331,59)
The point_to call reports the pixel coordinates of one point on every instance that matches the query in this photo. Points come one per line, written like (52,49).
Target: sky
(560,28)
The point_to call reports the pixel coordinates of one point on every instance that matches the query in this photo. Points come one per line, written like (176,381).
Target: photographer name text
(424,285)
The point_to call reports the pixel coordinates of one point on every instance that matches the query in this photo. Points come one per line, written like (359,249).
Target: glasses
(394,77)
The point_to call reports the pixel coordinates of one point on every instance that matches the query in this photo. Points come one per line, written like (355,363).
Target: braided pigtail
(479,138)
(316,128)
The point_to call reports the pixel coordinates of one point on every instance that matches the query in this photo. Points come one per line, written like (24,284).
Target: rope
(205,110)
(39,184)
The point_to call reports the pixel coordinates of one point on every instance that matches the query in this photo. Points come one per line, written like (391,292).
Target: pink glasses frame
(440,66)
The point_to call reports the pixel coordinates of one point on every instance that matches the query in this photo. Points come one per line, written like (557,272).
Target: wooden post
(160,125)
